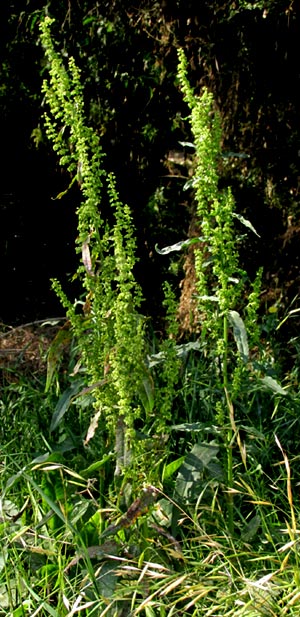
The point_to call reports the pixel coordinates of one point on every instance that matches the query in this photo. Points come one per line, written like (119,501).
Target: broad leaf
(64,403)
(146,393)
(202,458)
(172,467)
(240,334)
(183,349)
(273,385)
(181,352)
(251,528)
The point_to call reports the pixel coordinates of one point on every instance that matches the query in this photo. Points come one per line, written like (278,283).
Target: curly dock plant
(221,282)
(109,330)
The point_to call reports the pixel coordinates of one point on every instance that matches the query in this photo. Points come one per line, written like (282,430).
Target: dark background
(246,53)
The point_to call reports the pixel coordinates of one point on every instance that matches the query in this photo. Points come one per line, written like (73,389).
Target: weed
(156,478)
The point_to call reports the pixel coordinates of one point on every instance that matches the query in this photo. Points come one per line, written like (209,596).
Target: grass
(71,545)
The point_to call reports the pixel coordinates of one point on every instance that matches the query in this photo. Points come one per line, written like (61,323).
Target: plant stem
(229,435)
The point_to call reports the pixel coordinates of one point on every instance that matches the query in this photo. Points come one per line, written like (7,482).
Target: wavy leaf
(245,222)
(240,334)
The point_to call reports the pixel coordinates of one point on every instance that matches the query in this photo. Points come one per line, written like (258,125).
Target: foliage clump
(110,328)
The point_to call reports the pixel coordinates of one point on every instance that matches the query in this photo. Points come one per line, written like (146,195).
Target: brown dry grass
(23,349)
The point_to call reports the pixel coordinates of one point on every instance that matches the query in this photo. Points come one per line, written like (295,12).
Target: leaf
(273,309)
(163,512)
(41,602)
(86,258)
(84,513)
(8,509)
(250,530)
(202,457)
(89,471)
(245,222)
(181,352)
(170,469)
(3,559)
(149,612)
(187,144)
(107,580)
(12,479)
(273,385)
(64,403)
(188,427)
(177,247)
(146,393)
(41,458)
(156,358)
(88,20)
(63,193)
(211,298)
(55,353)
(92,428)
(238,155)
(50,502)
(240,334)
(183,349)
(101,551)
(189,184)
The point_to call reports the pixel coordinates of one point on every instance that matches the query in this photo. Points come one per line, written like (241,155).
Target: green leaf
(146,393)
(210,298)
(189,184)
(149,612)
(55,354)
(88,20)
(183,349)
(181,352)
(163,512)
(250,530)
(88,472)
(172,467)
(64,403)
(177,247)
(273,385)
(245,222)
(52,505)
(240,334)
(202,458)
(3,558)
(188,427)
(187,144)
(237,155)
(14,478)
(47,608)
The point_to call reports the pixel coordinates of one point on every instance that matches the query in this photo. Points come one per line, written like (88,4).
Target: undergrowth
(150,477)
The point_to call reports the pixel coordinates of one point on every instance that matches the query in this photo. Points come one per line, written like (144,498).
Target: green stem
(225,353)
(229,435)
